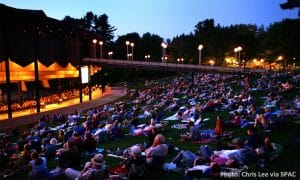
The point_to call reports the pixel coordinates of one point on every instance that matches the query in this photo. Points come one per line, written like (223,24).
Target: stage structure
(34,47)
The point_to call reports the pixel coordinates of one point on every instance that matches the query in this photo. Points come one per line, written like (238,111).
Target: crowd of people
(75,139)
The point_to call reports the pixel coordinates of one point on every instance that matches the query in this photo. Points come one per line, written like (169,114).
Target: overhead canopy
(26,35)
(54,71)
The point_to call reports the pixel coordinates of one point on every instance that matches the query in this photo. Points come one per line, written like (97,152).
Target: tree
(94,23)
(150,44)
(282,38)
(205,26)
(291,4)
(73,21)
(104,28)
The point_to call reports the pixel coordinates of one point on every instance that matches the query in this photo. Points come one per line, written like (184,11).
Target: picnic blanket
(192,119)
(179,126)
(204,141)
(172,118)
(115,156)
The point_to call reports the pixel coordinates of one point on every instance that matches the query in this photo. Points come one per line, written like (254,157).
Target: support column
(37,86)
(36,73)
(80,84)
(8,89)
(7,74)
(90,84)
(80,63)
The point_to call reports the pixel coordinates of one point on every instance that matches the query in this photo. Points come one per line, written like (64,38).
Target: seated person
(77,141)
(89,143)
(68,156)
(116,132)
(38,167)
(128,151)
(156,154)
(136,164)
(94,169)
(253,140)
(194,133)
(266,118)
(100,133)
(236,119)
(50,149)
(79,129)
(25,155)
(150,135)
(260,119)
(267,150)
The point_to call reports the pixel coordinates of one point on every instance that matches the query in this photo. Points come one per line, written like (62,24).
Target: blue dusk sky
(166,18)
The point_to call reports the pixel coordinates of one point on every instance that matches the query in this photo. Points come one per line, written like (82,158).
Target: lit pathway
(27,117)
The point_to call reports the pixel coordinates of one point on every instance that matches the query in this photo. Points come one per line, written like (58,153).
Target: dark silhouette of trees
(282,38)
(148,44)
(104,28)
(92,22)
(291,4)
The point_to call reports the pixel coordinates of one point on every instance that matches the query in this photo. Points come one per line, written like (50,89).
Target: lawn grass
(288,160)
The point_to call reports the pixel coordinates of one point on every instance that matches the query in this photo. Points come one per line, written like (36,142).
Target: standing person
(38,165)
(219,126)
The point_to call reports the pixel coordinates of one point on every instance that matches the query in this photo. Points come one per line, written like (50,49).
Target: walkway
(171,66)
(68,107)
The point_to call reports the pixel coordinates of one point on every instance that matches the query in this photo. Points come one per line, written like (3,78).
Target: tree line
(279,39)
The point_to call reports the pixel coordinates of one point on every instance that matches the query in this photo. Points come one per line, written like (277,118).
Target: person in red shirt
(219,126)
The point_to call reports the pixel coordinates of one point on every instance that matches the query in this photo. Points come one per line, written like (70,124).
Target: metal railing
(170,66)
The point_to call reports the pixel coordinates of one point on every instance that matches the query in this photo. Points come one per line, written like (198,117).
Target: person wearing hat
(94,169)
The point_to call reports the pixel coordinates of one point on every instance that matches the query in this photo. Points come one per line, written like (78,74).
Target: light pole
(101,44)
(94,45)
(147,57)
(164,47)
(200,47)
(212,62)
(132,45)
(110,53)
(127,44)
(244,64)
(239,50)
(129,56)
(262,63)
(235,53)
(285,64)
(280,58)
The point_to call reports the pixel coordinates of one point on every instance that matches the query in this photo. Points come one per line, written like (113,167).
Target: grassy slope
(287,161)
